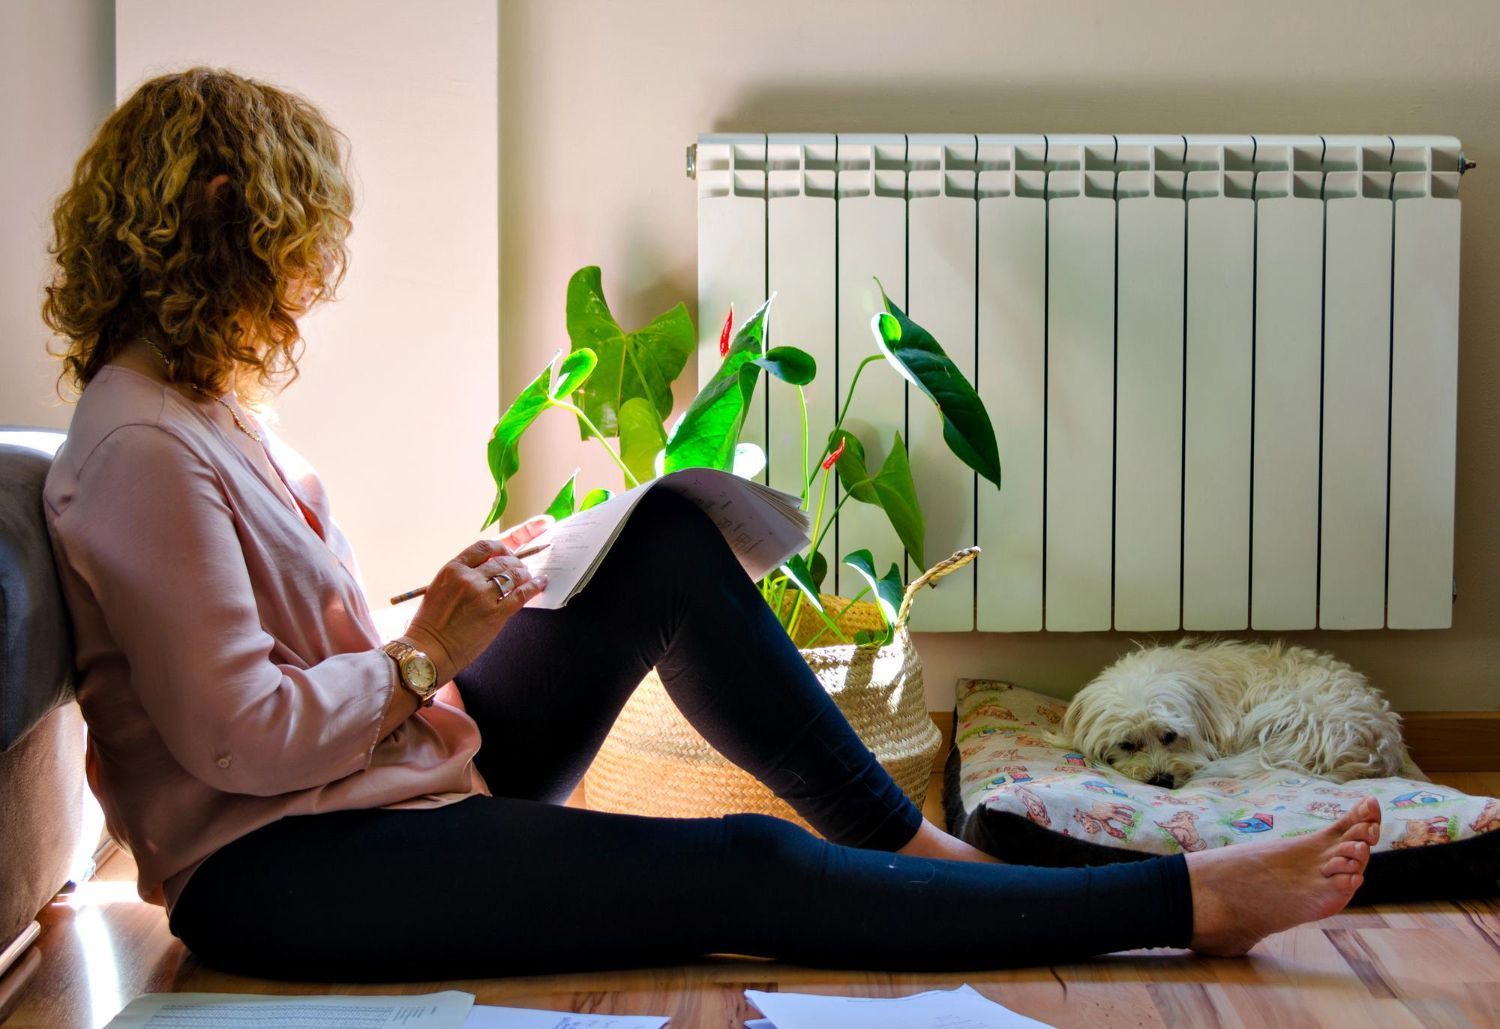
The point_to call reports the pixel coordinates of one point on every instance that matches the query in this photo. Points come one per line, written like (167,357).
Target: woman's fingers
(511,566)
(517,598)
(518,536)
(511,540)
(480,551)
(522,587)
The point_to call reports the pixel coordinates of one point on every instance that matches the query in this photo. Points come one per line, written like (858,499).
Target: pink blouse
(228,665)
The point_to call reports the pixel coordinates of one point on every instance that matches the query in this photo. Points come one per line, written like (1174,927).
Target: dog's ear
(1067,732)
(1215,721)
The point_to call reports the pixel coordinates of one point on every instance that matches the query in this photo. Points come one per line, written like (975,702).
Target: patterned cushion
(1009,792)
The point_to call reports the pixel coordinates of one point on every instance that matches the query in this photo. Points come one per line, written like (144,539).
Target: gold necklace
(232,412)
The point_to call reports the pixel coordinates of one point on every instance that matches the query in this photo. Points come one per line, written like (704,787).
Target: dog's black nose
(1163,780)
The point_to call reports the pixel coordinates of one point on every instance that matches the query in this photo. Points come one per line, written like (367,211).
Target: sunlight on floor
(96,892)
(103,978)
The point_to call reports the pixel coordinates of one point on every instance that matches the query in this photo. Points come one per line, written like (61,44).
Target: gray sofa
(41,732)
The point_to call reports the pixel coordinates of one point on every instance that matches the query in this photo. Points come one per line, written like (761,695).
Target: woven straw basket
(655,763)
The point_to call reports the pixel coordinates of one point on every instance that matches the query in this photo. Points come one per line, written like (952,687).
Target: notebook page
(576,545)
(763,526)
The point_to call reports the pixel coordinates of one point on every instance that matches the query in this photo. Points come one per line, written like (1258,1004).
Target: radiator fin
(1222,370)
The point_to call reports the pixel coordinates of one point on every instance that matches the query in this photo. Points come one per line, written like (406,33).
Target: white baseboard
(18,946)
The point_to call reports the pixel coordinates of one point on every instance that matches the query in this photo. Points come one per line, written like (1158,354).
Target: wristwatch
(418,673)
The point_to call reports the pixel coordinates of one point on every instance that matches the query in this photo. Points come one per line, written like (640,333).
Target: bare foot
(1243,894)
(930,841)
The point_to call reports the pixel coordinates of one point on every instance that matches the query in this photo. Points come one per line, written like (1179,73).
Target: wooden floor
(1416,965)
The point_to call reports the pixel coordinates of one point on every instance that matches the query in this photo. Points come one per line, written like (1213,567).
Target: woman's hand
(462,611)
(517,536)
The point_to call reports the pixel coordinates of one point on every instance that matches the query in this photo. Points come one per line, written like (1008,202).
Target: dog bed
(1008,791)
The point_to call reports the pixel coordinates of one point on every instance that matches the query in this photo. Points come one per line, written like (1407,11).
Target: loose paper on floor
(963,1008)
(446,1010)
(486,1017)
(450,1009)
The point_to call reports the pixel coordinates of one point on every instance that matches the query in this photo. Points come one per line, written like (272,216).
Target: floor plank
(1430,964)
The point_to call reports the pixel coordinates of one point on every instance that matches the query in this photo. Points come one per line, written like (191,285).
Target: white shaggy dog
(1164,714)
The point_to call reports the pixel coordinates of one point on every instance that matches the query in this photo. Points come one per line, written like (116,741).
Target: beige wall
(400,376)
(599,99)
(57,78)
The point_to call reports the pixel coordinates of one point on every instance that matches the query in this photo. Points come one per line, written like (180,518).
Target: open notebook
(763,527)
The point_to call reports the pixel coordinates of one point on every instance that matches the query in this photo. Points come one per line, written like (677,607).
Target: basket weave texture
(655,763)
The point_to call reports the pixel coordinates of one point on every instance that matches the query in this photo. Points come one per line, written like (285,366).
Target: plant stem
(848,401)
(818,518)
(806,483)
(829,524)
(630,479)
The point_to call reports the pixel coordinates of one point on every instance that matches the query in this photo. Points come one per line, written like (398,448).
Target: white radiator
(1222,370)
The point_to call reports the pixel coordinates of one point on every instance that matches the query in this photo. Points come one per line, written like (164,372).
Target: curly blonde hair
(214,277)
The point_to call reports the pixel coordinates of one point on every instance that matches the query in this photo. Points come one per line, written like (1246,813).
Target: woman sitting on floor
(308,802)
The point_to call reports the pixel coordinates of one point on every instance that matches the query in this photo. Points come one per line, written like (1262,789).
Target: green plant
(623,382)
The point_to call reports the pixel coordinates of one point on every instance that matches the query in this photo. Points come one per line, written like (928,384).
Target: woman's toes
(1357,849)
(1349,883)
(1360,812)
(1358,826)
(1341,866)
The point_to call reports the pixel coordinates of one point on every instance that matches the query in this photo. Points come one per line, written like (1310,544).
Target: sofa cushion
(36,647)
(42,804)
(1011,793)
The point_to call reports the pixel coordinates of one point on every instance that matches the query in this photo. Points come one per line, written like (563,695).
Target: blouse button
(223,762)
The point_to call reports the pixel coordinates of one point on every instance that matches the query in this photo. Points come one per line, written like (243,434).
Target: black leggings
(516,883)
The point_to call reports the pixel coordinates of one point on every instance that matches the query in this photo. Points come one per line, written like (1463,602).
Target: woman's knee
(670,542)
(674,520)
(767,841)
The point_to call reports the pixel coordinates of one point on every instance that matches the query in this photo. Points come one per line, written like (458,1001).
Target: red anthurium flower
(832,459)
(724,333)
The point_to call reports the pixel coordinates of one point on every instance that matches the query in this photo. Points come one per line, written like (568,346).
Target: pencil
(399,598)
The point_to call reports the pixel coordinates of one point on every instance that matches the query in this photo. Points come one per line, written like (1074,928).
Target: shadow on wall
(1404,104)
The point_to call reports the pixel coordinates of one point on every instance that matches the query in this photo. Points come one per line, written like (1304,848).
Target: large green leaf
(797,570)
(749,460)
(921,361)
(891,489)
(642,363)
(710,427)
(593,498)
(888,592)
(504,450)
(790,365)
(898,497)
(575,371)
(565,504)
(641,437)
(818,569)
(850,465)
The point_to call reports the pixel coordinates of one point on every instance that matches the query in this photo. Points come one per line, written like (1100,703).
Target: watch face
(419,671)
